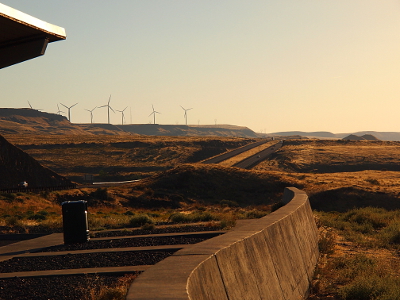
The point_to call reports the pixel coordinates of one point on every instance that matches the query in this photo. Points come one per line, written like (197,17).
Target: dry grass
(120,157)
(322,156)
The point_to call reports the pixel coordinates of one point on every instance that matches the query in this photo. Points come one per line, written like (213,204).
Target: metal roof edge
(23,18)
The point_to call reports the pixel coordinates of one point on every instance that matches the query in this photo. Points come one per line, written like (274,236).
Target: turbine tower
(69,110)
(122,113)
(91,114)
(154,114)
(109,107)
(185,115)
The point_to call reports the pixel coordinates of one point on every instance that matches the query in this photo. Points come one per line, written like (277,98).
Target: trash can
(75,222)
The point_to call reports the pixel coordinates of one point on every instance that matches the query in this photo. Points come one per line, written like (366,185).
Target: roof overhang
(24,37)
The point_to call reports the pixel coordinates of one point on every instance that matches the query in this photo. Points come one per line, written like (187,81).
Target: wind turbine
(69,110)
(185,115)
(32,107)
(109,107)
(59,111)
(154,114)
(91,114)
(122,113)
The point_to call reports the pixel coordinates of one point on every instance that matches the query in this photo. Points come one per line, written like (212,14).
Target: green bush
(13,221)
(254,214)
(326,242)
(101,194)
(371,287)
(140,220)
(198,216)
(179,218)
(148,226)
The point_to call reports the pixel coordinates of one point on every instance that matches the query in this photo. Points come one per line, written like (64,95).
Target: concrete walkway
(31,248)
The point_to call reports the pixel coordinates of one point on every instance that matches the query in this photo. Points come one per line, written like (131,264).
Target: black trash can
(75,222)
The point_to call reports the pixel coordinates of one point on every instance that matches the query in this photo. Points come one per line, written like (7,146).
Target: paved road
(255,159)
(227,155)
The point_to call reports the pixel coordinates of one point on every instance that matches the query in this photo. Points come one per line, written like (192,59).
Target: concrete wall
(269,258)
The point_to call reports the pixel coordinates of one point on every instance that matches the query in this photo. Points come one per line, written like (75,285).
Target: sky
(310,65)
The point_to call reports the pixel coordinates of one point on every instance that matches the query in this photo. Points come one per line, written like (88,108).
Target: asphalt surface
(227,155)
(255,159)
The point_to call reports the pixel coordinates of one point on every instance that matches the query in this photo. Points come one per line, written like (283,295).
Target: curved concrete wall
(270,258)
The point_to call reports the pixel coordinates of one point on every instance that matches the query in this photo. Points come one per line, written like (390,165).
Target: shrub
(372,181)
(326,242)
(179,218)
(140,220)
(101,194)
(254,214)
(13,221)
(198,216)
(148,226)
(228,222)
(371,287)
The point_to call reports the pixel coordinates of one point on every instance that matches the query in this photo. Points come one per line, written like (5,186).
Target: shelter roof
(24,37)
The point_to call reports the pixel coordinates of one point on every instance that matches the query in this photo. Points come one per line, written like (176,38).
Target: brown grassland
(353,188)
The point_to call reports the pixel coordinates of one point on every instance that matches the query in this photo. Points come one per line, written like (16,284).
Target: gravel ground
(76,287)
(79,286)
(129,242)
(171,229)
(87,260)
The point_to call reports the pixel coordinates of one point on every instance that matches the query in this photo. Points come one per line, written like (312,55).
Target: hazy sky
(309,65)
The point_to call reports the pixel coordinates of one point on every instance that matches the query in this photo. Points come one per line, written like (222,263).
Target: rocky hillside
(31,121)
(17,166)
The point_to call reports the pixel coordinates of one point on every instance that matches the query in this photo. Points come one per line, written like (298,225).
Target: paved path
(227,155)
(31,248)
(255,159)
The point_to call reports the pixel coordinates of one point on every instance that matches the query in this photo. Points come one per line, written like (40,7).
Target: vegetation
(353,187)
(98,290)
(370,270)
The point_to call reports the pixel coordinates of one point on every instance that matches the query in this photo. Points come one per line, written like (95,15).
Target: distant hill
(17,166)
(31,121)
(353,137)
(184,130)
(383,136)
(369,137)
(321,134)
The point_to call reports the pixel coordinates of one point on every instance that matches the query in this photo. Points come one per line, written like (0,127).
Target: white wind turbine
(185,115)
(69,110)
(154,114)
(32,107)
(59,111)
(91,114)
(109,107)
(122,113)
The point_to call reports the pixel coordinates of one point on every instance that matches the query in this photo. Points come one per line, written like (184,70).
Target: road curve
(255,159)
(227,155)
